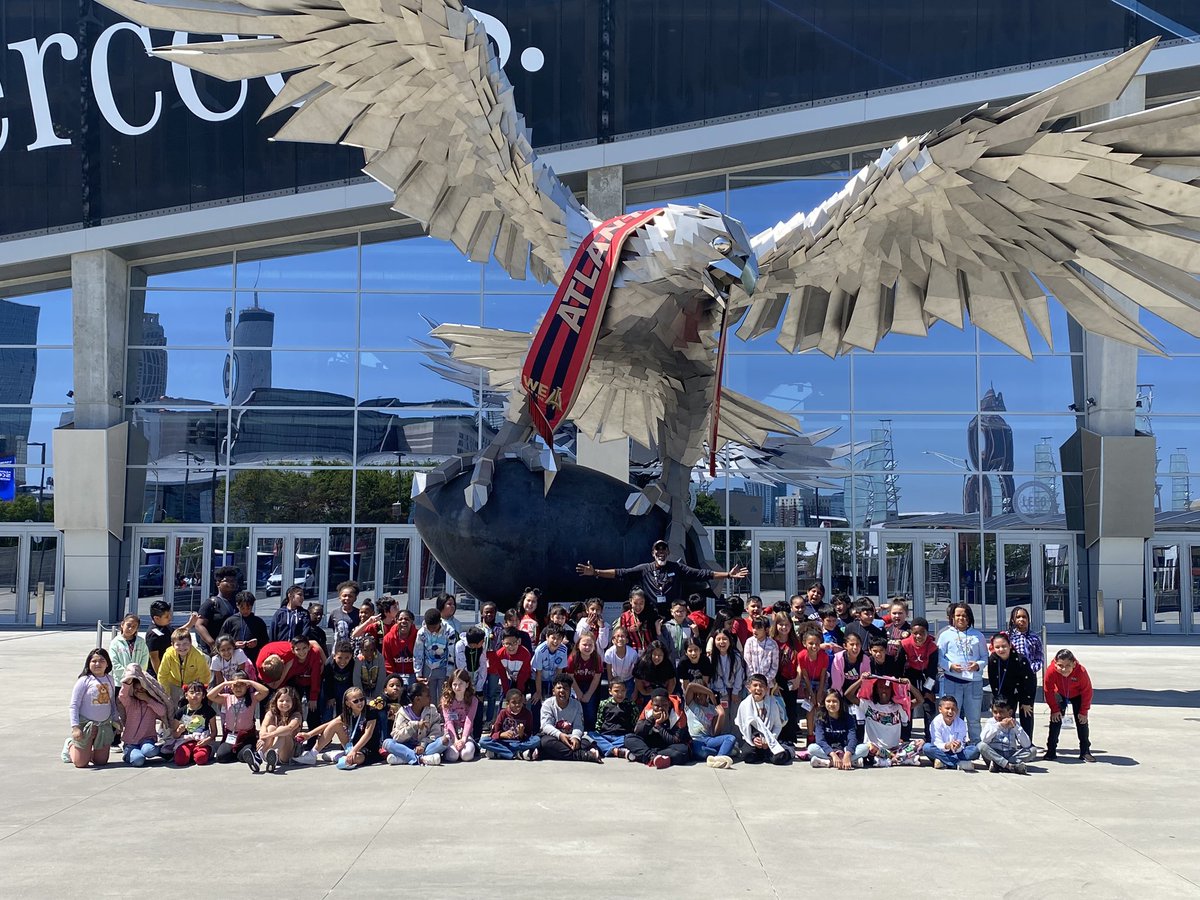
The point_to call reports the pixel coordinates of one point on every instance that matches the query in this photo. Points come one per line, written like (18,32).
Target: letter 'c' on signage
(185,83)
(102,85)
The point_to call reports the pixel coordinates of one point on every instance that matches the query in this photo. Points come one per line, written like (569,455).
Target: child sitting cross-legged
(417,731)
(948,745)
(885,706)
(706,722)
(615,719)
(1003,743)
(834,741)
(562,727)
(512,733)
(759,720)
(661,737)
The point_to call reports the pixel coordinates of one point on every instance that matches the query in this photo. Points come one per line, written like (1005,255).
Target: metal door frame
(289,533)
(169,534)
(1037,541)
(790,537)
(918,540)
(393,532)
(23,611)
(1189,623)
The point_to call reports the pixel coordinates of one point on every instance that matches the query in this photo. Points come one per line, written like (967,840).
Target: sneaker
(993,768)
(620,753)
(938,764)
(1050,755)
(431,759)
(272,759)
(818,763)
(717,762)
(525,754)
(66,754)
(966,766)
(659,762)
(250,758)
(883,763)
(330,756)
(802,755)
(593,755)
(1020,768)
(1086,757)
(490,754)
(307,758)
(394,760)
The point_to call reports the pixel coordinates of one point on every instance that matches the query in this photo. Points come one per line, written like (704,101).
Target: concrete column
(605,198)
(91,556)
(1106,393)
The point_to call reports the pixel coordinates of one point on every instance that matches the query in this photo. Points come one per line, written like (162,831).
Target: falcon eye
(722,245)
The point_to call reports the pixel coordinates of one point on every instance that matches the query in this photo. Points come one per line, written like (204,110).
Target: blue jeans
(137,755)
(589,710)
(606,743)
(491,698)
(816,751)
(509,749)
(969,695)
(407,754)
(704,747)
(969,753)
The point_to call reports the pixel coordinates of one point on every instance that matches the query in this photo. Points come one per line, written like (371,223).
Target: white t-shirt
(882,723)
(235,668)
(622,669)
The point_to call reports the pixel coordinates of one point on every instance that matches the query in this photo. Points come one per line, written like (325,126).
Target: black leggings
(791,728)
(1084,732)
(641,751)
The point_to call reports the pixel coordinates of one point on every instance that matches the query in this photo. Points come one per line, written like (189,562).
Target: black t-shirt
(687,670)
(656,674)
(195,720)
(865,633)
(341,623)
(214,611)
(665,581)
(158,641)
(335,682)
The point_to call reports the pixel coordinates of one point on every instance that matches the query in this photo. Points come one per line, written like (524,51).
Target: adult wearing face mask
(662,579)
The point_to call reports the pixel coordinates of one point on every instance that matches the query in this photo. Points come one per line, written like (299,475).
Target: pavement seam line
(1113,837)
(746,832)
(379,830)
(72,806)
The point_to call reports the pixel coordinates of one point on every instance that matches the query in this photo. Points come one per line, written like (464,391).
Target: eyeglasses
(357,700)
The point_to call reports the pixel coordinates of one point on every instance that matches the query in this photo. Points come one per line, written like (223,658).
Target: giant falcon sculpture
(981,218)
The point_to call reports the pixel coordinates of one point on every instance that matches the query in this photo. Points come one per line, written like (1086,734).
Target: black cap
(658,544)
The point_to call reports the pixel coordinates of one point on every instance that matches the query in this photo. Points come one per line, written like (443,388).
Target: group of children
(836,685)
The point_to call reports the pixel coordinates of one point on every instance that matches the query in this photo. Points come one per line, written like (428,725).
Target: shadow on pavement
(1136,697)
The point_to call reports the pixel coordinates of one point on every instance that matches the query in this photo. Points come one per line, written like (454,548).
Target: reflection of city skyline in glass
(18,372)
(248,365)
(996,455)
(152,364)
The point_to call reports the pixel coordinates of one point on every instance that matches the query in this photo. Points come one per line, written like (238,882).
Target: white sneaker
(719,762)
(394,760)
(882,763)
(432,759)
(330,756)
(818,763)
(66,754)
(307,758)
(965,765)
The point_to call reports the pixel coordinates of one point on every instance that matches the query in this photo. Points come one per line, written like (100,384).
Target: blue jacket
(838,734)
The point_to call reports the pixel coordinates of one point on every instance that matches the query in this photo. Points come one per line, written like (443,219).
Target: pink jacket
(141,716)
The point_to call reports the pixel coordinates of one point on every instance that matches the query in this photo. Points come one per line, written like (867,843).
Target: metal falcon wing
(987,216)
(415,84)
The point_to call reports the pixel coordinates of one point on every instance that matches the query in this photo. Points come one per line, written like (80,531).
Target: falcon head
(730,258)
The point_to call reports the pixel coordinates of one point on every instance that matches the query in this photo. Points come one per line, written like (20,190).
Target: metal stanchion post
(1100,613)
(40,614)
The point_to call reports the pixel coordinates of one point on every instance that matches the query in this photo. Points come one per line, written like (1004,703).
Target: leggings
(791,728)
(1083,730)
(466,754)
(192,752)
(228,752)
(640,751)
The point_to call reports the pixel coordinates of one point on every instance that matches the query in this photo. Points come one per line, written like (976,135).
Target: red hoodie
(398,651)
(1077,684)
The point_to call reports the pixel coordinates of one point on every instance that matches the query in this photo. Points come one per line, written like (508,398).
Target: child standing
(95,715)
(694,668)
(398,647)
(514,661)
(706,723)
(653,670)
(143,706)
(1006,746)
(920,669)
(1025,642)
(788,679)
(549,660)
(950,748)
(530,621)
(814,678)
(593,623)
(761,653)
(835,742)
(417,731)
(158,636)
(512,733)
(620,660)
(615,719)
(229,663)
(676,631)
(470,655)
(1009,676)
(585,667)
(963,654)
(459,709)
(196,725)
(1066,682)
(729,672)
(238,699)
(639,621)
(128,647)
(336,678)
(431,653)
(759,721)
(369,672)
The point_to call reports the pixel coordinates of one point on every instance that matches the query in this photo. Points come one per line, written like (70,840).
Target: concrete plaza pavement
(1124,827)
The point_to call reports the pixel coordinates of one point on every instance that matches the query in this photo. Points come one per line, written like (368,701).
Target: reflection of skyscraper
(877,496)
(152,364)
(1043,464)
(248,367)
(18,371)
(996,455)
(1181,488)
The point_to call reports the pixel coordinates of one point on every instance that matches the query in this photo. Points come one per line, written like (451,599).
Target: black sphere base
(524,539)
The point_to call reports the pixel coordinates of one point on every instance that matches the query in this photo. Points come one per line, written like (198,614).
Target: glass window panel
(192,492)
(711,504)
(809,500)
(398,554)
(328,264)
(416,376)
(294,377)
(1035,441)
(939,578)
(33,495)
(213,272)
(10,548)
(912,501)
(1167,584)
(749,504)
(43,318)
(763,204)
(772,571)
(912,443)
(180,436)
(295,319)
(150,562)
(740,553)
(808,563)
(364,559)
(399,321)
(1176,494)
(230,548)
(1056,582)
(383,496)
(291,495)
(190,565)
(197,376)
(942,338)
(292,436)
(1174,340)
(791,384)
(1058,331)
(26,434)
(914,383)
(415,438)
(29,375)
(899,562)
(422,264)
(976,583)
(1170,383)
(1044,384)
(342,561)
(1023,501)
(841,562)
(514,312)
(179,318)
